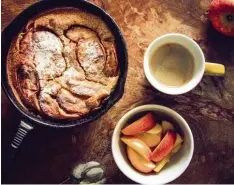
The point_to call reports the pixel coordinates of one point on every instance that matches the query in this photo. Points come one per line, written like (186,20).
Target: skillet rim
(8,34)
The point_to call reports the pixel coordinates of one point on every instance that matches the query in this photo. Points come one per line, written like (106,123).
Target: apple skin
(164,147)
(141,125)
(165,160)
(221,14)
(138,162)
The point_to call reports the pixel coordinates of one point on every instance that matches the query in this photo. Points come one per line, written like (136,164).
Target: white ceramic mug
(200,66)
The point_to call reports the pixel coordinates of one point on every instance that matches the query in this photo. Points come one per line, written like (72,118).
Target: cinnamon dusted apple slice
(151,140)
(111,67)
(91,56)
(28,83)
(49,106)
(138,162)
(88,89)
(77,33)
(165,147)
(139,146)
(71,103)
(142,125)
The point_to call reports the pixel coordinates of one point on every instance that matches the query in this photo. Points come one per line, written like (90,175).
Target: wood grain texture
(47,156)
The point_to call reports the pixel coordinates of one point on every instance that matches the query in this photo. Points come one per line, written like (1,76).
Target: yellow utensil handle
(214,69)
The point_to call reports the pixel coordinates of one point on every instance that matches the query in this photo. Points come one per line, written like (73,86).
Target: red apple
(222,16)
(164,147)
(141,125)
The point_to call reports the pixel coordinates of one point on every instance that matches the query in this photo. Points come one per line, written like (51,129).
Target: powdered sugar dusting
(44,40)
(48,55)
(70,77)
(86,88)
(69,70)
(52,88)
(89,54)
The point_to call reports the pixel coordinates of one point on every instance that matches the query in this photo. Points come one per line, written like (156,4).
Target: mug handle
(214,69)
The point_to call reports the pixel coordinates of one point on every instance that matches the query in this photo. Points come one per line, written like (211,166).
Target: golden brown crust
(63,64)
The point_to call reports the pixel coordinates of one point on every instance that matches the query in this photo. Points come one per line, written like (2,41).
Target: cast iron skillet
(30,120)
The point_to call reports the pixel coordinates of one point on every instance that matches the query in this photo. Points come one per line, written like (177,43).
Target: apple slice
(138,162)
(157,129)
(161,164)
(178,140)
(175,149)
(139,146)
(140,126)
(151,140)
(164,147)
(164,161)
(167,126)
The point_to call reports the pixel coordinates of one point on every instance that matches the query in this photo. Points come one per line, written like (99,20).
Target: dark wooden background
(47,155)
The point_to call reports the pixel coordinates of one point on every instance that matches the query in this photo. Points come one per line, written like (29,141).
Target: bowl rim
(149,107)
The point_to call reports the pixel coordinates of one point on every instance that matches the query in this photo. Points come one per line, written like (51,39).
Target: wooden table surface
(47,155)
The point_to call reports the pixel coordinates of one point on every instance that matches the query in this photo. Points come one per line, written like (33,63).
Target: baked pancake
(63,63)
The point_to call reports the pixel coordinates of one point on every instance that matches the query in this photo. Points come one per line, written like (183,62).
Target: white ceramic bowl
(178,163)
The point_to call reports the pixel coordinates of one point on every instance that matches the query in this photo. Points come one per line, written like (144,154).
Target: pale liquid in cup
(172,65)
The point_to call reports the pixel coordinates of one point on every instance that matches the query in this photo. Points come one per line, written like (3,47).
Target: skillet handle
(21,133)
